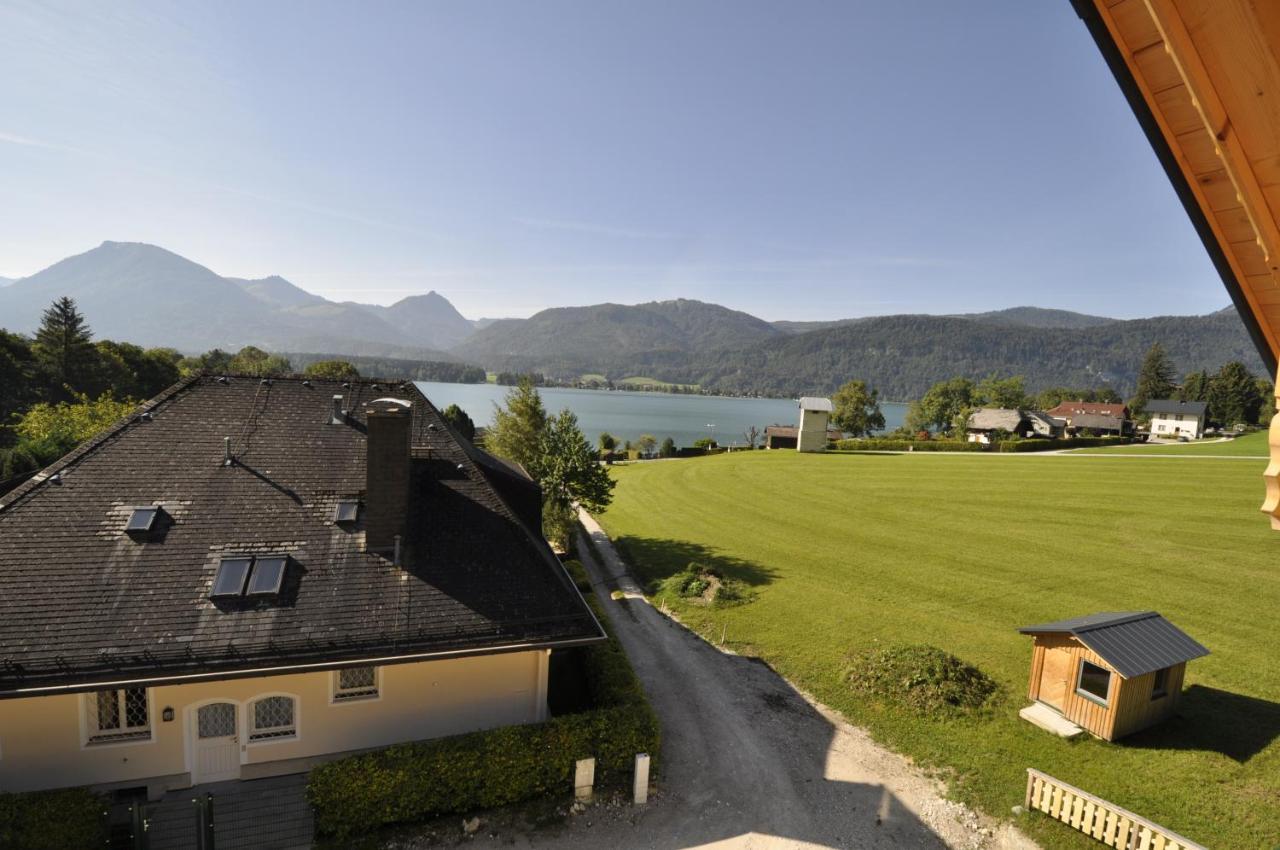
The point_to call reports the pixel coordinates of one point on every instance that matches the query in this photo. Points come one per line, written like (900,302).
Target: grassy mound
(922,678)
(706,586)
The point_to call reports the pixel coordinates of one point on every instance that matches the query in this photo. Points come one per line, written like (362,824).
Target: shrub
(925,679)
(53,820)
(1043,445)
(410,782)
(706,585)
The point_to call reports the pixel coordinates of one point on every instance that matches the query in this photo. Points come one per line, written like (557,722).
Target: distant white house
(1171,418)
(815,414)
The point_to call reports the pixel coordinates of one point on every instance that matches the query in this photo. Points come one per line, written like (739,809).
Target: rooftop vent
(222,379)
(337,416)
(306,383)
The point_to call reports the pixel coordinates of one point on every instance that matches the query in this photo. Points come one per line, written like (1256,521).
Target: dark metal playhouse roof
(1133,642)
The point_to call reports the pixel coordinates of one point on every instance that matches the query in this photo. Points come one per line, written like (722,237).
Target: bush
(411,782)
(706,585)
(53,820)
(1055,445)
(923,678)
(875,445)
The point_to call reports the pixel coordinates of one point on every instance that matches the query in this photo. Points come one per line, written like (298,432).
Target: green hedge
(874,445)
(53,820)
(411,782)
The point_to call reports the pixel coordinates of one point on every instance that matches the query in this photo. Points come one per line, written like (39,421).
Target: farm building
(788,436)
(985,422)
(1171,418)
(1110,674)
(815,414)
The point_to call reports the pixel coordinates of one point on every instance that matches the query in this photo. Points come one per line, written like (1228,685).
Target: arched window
(272,717)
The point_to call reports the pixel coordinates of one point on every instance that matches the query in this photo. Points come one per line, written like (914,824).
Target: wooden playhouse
(1109,674)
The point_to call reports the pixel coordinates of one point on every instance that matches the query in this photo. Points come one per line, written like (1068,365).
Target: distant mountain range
(150,296)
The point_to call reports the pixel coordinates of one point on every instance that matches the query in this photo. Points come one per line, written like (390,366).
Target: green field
(1250,445)
(959,551)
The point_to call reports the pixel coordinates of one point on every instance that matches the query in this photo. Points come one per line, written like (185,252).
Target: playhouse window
(1094,682)
(1160,684)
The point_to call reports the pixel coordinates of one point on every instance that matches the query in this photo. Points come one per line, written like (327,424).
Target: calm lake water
(627,415)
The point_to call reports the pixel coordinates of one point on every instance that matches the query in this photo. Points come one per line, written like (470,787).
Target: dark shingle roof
(1165,405)
(83,602)
(1133,642)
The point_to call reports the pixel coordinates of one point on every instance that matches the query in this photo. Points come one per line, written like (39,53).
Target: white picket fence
(1107,822)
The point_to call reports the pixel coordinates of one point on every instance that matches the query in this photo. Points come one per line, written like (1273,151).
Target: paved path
(747,761)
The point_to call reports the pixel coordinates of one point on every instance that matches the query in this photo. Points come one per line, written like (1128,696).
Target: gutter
(315,667)
(1115,60)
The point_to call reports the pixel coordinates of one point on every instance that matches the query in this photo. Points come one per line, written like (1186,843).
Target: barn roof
(996,419)
(1132,642)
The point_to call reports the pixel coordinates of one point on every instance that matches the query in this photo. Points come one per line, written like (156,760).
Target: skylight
(268,575)
(346,510)
(231,576)
(141,520)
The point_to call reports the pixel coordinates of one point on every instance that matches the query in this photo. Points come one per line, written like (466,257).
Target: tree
(567,468)
(938,408)
(752,435)
(1195,387)
(334,370)
(668,448)
(518,426)
(68,423)
(1155,379)
(1268,410)
(647,444)
(459,421)
(257,363)
(212,362)
(18,387)
(1234,396)
(607,442)
(856,409)
(64,349)
(1007,393)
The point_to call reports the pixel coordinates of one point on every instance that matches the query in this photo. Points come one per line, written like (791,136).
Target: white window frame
(273,737)
(337,697)
(92,736)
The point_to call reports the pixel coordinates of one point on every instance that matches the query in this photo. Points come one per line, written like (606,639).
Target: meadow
(846,552)
(1250,445)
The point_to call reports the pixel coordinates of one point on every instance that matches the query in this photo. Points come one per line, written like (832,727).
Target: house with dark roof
(1067,409)
(986,423)
(1111,674)
(249,576)
(1175,419)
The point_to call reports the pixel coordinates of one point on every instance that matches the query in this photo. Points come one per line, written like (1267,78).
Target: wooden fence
(1107,822)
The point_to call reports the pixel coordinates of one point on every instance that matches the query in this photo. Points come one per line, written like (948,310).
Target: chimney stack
(337,416)
(387,472)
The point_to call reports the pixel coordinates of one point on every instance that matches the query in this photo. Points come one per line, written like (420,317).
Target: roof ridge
(1129,618)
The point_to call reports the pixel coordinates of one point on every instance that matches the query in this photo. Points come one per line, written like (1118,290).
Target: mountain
(5,281)
(1039,317)
(579,339)
(429,316)
(805,327)
(146,295)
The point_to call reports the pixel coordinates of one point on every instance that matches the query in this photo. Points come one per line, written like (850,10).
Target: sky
(798,160)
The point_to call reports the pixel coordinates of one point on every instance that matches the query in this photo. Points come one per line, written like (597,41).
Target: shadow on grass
(651,560)
(1213,720)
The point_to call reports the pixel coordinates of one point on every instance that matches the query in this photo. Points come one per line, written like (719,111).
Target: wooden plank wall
(1079,710)
(1134,708)
(1098,818)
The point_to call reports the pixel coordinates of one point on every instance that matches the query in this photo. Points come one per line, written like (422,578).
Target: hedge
(65,819)
(415,781)
(873,445)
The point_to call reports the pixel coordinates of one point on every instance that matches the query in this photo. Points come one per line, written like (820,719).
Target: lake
(627,415)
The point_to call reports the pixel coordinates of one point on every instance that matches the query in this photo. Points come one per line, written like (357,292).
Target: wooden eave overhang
(1203,79)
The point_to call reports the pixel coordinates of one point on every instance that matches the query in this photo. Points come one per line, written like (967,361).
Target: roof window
(346,510)
(142,520)
(249,576)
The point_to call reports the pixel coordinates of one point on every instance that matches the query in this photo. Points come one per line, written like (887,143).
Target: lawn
(959,551)
(1250,445)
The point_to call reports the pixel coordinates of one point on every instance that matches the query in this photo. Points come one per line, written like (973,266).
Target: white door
(216,748)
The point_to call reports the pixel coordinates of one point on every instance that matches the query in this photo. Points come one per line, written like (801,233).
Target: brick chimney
(387,472)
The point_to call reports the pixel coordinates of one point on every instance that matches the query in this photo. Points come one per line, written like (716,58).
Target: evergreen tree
(1155,379)
(1234,396)
(1195,387)
(856,409)
(459,421)
(64,349)
(519,425)
(668,448)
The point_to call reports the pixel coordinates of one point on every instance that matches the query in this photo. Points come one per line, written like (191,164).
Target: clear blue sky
(798,160)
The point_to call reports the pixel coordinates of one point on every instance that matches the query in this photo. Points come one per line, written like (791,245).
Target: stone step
(1039,714)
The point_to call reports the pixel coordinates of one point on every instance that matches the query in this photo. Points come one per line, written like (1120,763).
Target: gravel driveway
(748,761)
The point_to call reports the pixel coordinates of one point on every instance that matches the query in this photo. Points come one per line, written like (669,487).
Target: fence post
(204,822)
(584,779)
(641,786)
